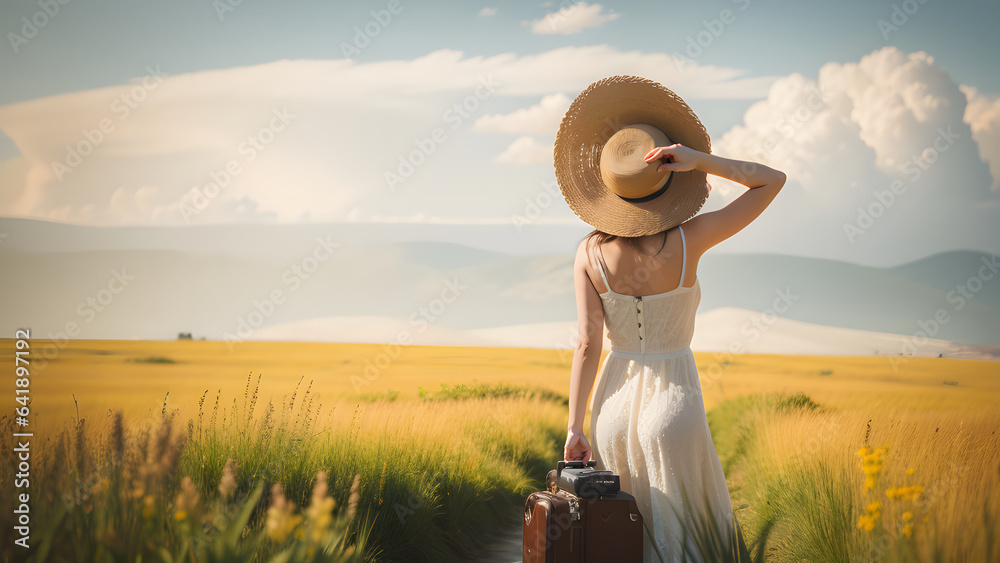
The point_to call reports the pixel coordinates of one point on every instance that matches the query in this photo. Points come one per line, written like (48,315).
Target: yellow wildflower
(871,463)
(872,513)
(320,509)
(908,530)
(912,492)
(281,517)
(907,516)
(911,470)
(866,522)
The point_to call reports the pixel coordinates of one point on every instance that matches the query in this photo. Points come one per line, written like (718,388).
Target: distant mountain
(898,300)
(252,280)
(269,242)
(950,271)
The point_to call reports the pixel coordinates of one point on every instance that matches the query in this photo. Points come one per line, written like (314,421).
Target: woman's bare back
(646,272)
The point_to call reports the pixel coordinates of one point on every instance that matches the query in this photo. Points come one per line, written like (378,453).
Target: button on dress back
(669,316)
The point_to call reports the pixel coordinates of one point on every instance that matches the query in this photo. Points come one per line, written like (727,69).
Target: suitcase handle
(529,509)
(562,464)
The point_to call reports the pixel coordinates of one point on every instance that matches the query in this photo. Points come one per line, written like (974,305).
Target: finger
(654,154)
(660,152)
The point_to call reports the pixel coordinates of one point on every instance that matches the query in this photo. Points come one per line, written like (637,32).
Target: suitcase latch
(574,508)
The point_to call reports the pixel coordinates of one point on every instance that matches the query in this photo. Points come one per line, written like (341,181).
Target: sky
(884,115)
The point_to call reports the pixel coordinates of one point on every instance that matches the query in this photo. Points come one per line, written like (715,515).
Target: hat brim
(594,116)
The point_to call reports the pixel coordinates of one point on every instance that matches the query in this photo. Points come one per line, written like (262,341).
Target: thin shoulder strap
(683,256)
(600,267)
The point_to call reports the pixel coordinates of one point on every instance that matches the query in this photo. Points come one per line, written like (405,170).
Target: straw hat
(599,151)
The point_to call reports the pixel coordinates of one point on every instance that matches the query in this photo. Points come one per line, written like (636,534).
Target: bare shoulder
(695,236)
(583,252)
(583,265)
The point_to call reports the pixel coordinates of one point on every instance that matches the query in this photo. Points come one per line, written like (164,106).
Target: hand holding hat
(676,157)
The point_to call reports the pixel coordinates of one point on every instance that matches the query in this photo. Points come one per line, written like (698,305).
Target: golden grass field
(104,374)
(788,430)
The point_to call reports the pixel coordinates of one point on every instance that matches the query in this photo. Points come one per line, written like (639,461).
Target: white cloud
(880,121)
(332,153)
(526,150)
(983,116)
(845,140)
(487,12)
(572,19)
(540,119)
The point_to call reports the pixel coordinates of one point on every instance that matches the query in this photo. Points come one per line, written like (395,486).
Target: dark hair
(602,237)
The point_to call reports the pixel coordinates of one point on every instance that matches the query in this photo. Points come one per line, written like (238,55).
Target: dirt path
(507,549)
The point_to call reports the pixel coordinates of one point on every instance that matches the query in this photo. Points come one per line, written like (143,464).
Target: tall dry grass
(930,495)
(418,480)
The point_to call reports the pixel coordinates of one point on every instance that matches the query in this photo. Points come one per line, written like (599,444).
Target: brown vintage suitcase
(560,527)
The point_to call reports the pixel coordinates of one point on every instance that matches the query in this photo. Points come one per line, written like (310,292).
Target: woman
(632,160)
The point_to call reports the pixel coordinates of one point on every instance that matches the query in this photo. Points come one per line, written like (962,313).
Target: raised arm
(709,229)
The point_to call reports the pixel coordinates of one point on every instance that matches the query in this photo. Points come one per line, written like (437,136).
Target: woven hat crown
(623,168)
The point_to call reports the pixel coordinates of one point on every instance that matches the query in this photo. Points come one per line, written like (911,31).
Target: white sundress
(648,420)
